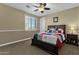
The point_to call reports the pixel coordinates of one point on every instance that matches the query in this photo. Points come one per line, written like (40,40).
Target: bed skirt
(50,48)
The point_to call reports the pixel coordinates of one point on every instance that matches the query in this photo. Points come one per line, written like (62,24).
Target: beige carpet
(24,48)
(69,50)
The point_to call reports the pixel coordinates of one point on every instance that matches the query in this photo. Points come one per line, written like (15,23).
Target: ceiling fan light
(41,9)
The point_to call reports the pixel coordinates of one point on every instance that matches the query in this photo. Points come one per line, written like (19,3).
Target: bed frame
(50,48)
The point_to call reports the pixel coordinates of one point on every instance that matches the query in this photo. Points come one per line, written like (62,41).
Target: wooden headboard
(59,26)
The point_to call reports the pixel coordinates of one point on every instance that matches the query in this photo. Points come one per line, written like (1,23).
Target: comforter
(55,39)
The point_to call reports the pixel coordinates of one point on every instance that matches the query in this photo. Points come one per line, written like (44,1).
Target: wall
(68,17)
(11,36)
(12,27)
(11,18)
(42,24)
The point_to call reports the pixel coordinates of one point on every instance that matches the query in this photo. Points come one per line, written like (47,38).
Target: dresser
(72,39)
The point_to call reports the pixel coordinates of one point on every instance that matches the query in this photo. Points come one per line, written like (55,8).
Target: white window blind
(30,23)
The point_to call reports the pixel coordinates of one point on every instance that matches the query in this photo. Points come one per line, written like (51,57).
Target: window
(30,23)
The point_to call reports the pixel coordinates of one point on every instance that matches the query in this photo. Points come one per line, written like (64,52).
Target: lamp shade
(73,28)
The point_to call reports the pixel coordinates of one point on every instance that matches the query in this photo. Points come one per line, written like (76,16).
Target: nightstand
(72,39)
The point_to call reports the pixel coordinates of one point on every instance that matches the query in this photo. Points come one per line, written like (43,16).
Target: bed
(49,42)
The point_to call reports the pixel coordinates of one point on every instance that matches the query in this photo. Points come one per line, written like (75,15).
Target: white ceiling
(55,7)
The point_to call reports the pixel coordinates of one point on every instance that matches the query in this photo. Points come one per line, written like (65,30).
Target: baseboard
(10,30)
(14,42)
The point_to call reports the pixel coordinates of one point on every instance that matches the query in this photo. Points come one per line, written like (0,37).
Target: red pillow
(58,33)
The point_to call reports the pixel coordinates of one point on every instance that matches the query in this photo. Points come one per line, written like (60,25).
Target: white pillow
(53,30)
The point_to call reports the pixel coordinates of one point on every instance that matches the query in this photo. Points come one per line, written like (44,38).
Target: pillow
(52,30)
(58,33)
(60,30)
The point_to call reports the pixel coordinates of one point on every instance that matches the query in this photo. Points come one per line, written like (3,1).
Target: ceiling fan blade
(36,6)
(44,4)
(36,10)
(47,8)
(42,11)
(27,6)
(41,3)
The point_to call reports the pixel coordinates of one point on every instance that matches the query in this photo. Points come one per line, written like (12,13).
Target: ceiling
(55,7)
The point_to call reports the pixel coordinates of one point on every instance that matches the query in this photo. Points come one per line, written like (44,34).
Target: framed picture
(55,19)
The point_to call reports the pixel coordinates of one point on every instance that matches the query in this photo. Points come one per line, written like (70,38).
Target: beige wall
(10,18)
(67,17)
(13,19)
(11,36)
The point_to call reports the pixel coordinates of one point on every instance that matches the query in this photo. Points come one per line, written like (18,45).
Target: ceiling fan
(41,7)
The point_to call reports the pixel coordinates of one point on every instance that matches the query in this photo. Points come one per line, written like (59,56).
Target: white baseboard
(10,30)
(14,42)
